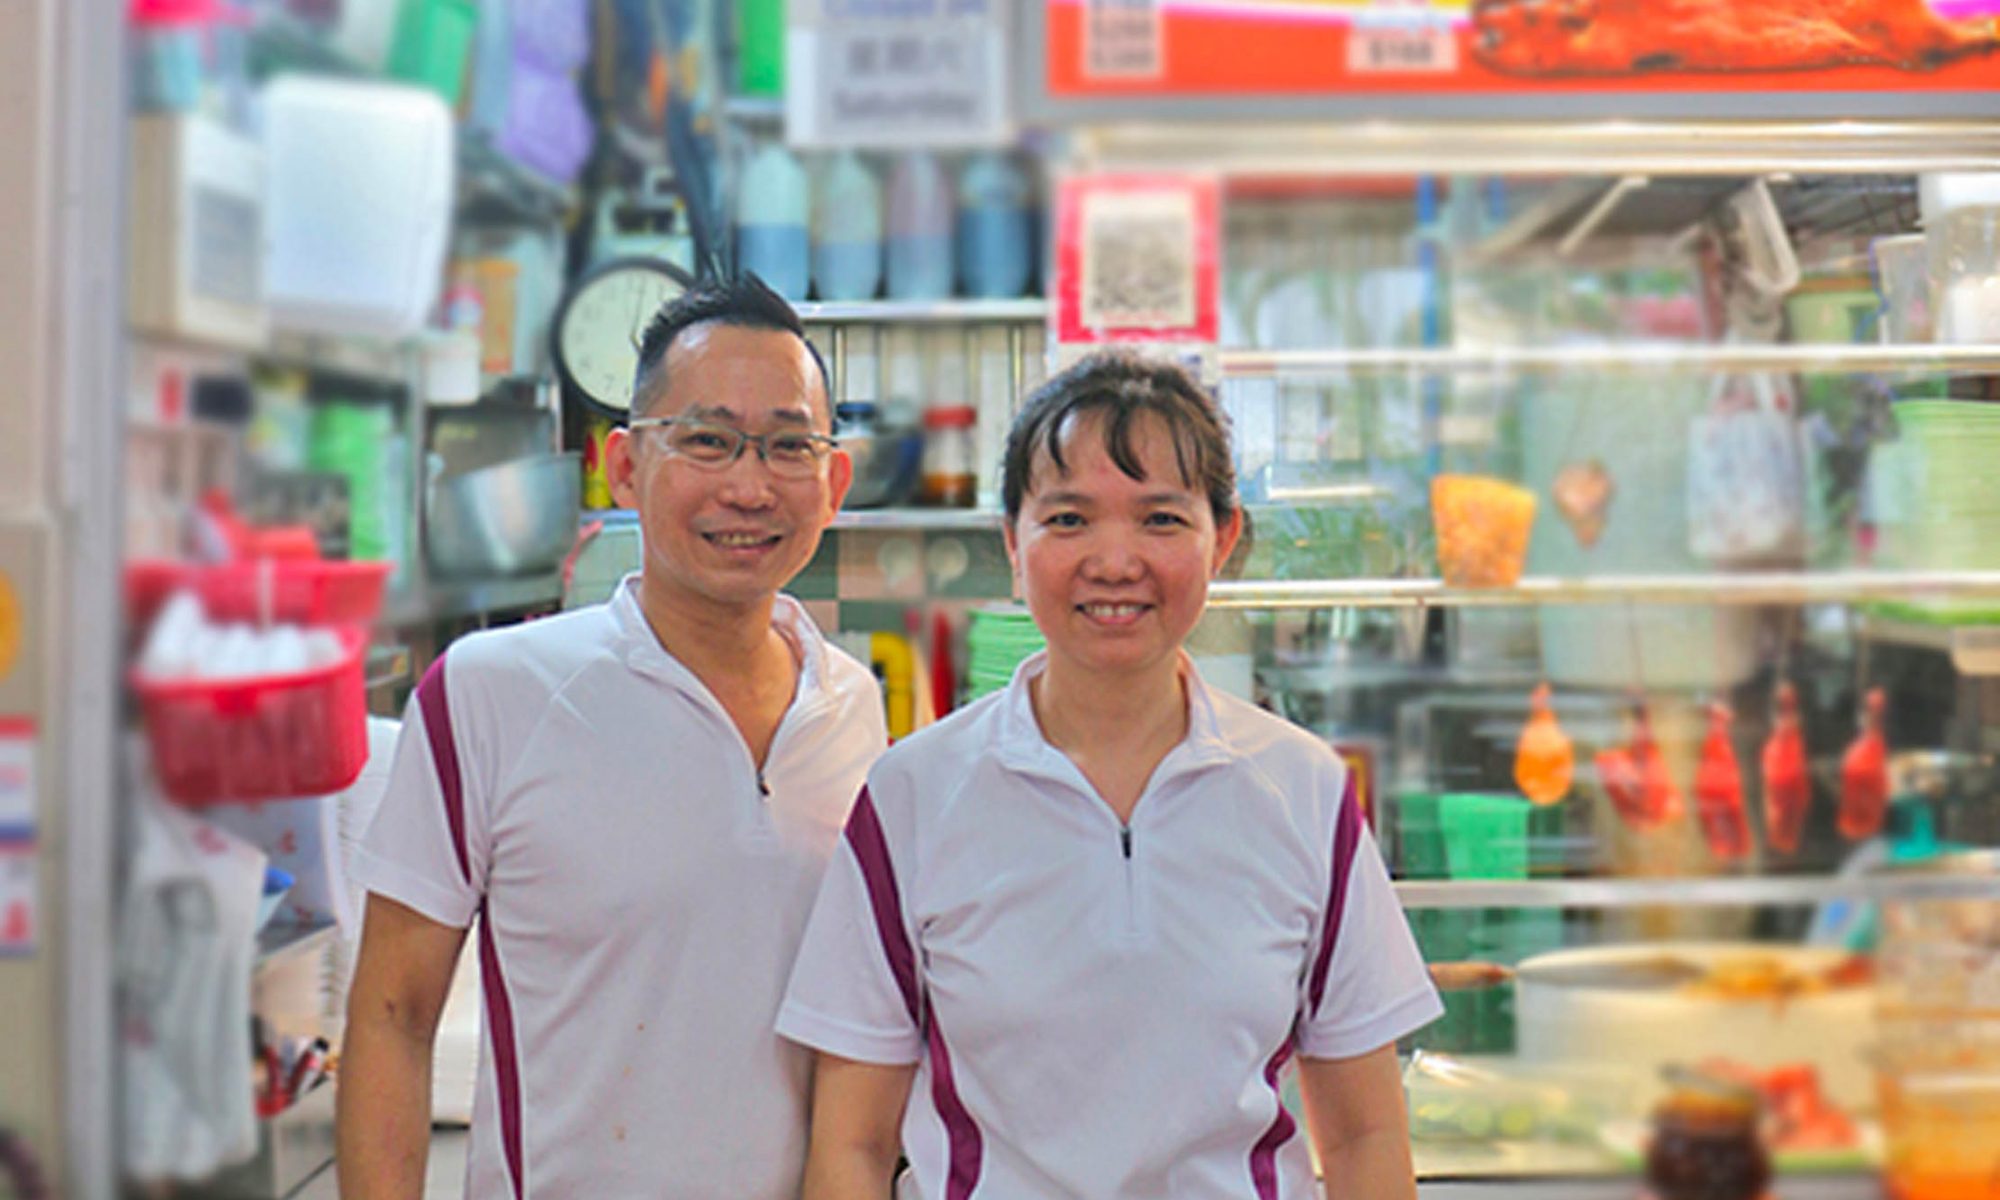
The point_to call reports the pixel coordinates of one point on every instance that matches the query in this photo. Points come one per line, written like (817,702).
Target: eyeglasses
(706,444)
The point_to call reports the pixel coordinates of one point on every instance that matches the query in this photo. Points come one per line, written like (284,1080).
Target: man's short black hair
(1119,387)
(745,302)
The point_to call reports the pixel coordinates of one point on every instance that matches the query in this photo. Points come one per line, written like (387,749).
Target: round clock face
(598,329)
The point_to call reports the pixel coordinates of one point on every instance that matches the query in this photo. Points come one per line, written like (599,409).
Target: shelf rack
(1717,892)
(1750,587)
(1613,358)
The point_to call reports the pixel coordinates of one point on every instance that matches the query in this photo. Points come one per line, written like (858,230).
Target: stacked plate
(998,639)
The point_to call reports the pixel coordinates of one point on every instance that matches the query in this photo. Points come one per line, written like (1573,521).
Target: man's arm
(857,1117)
(1355,1117)
(400,983)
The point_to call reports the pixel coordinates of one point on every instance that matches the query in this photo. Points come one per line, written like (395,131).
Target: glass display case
(1623,513)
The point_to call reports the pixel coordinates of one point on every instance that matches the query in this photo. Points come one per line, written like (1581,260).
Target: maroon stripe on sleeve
(871,851)
(968,1149)
(436,707)
(506,1051)
(1346,837)
(1264,1155)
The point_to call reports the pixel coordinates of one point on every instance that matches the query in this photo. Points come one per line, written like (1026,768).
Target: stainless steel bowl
(513,518)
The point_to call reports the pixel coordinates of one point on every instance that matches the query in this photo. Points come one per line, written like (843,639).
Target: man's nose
(747,482)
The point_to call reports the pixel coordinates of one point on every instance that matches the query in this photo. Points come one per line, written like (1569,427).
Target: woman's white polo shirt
(1101,1010)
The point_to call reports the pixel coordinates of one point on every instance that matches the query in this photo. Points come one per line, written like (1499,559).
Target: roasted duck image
(1631,37)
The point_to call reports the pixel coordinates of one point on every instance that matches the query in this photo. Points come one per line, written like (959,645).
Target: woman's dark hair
(746,302)
(1119,388)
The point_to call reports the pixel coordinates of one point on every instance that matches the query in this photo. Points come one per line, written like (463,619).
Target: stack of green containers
(1474,836)
(996,642)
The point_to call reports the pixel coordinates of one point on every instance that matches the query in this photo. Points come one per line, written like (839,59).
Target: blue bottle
(920,229)
(995,228)
(847,230)
(771,231)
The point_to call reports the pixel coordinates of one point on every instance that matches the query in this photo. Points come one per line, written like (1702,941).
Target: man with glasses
(637,801)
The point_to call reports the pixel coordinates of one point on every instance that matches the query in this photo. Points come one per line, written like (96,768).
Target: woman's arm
(1355,1117)
(857,1117)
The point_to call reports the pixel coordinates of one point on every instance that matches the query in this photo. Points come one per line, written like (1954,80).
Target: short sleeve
(1368,984)
(427,846)
(855,988)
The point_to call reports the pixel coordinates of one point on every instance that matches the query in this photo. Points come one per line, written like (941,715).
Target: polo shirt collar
(643,653)
(1022,747)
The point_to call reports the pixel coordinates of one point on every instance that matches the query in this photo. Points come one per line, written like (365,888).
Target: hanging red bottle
(1636,779)
(1658,796)
(1718,791)
(1864,774)
(1787,786)
(1544,761)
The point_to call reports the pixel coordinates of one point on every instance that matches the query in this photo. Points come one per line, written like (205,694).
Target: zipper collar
(1021,747)
(642,652)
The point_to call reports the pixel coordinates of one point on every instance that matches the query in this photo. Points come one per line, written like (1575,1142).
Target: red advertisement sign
(1130,48)
(1136,258)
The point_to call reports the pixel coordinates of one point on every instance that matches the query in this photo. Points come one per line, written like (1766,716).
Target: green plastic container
(432,44)
(760,47)
(1485,836)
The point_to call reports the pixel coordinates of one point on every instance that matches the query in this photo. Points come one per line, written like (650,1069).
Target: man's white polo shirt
(1102,1010)
(571,783)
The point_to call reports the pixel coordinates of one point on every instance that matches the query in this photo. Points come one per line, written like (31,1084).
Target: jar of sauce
(1705,1143)
(949,480)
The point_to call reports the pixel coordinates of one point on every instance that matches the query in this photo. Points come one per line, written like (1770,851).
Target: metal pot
(514,518)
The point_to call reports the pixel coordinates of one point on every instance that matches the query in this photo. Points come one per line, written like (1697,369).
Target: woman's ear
(1012,540)
(1226,535)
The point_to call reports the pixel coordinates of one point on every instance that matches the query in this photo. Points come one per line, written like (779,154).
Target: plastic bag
(1746,478)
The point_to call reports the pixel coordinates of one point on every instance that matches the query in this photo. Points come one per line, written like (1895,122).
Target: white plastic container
(361,179)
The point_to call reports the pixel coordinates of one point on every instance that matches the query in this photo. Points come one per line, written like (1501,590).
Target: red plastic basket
(292,591)
(265,738)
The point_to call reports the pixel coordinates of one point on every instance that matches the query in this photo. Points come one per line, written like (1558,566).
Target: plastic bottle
(949,479)
(771,221)
(847,230)
(995,227)
(920,229)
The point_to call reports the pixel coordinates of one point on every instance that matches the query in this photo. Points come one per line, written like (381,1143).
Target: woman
(1077,930)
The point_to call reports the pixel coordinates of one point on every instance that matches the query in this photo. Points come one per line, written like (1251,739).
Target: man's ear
(839,478)
(621,467)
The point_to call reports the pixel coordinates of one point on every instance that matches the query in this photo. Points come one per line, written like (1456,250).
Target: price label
(1403,47)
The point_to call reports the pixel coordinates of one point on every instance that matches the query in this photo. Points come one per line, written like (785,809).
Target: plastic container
(264,738)
(359,191)
(949,479)
(432,43)
(995,228)
(296,592)
(1903,280)
(760,44)
(847,230)
(772,221)
(546,127)
(1965,274)
(1482,529)
(920,223)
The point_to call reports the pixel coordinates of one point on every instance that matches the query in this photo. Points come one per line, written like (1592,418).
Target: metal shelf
(1645,358)
(1321,148)
(755,110)
(448,598)
(1026,311)
(1760,892)
(1761,587)
(379,361)
(919,520)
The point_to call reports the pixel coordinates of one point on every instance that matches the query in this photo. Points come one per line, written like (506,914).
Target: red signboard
(1104,49)
(1136,258)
